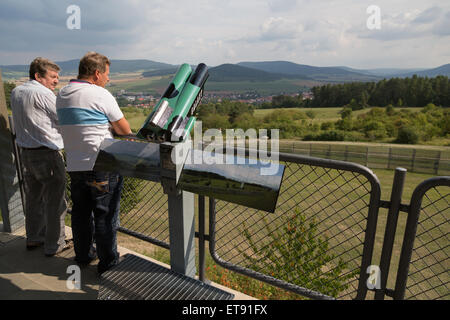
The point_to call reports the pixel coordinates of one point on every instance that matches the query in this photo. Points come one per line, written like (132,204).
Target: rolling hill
(233,72)
(443,70)
(311,72)
(265,71)
(117,66)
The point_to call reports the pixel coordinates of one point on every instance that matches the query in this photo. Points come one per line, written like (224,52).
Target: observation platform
(30,275)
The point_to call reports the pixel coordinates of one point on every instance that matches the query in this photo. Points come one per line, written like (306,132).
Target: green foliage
(346,113)
(377,124)
(412,92)
(132,187)
(300,254)
(331,135)
(8,86)
(407,135)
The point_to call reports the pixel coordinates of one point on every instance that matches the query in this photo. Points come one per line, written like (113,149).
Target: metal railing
(423,271)
(319,238)
(320,241)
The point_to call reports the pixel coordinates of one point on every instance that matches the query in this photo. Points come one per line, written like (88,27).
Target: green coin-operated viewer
(173,117)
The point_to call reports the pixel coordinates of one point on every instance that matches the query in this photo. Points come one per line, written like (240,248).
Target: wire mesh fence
(143,210)
(429,275)
(320,240)
(314,240)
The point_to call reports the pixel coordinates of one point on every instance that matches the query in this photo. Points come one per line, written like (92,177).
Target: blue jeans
(96,204)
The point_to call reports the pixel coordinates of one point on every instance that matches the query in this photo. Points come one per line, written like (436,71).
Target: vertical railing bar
(18,161)
(391,227)
(201,238)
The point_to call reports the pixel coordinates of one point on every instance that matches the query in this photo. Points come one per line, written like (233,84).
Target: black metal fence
(319,238)
(320,242)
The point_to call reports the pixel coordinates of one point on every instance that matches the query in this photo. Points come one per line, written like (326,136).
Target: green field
(322,114)
(135,83)
(154,85)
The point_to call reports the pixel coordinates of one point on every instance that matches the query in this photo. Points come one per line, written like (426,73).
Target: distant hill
(383,72)
(311,72)
(233,72)
(265,71)
(117,66)
(443,70)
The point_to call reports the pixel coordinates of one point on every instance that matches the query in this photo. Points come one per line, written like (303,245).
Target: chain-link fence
(316,239)
(320,241)
(424,265)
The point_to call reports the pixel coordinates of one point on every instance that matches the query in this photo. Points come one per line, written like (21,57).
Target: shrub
(132,194)
(298,253)
(407,135)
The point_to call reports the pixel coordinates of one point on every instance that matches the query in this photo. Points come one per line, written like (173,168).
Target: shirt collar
(79,81)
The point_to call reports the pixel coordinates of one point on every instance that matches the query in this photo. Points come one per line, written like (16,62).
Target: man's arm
(121,127)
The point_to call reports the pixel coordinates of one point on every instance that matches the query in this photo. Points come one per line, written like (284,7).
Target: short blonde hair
(41,65)
(90,62)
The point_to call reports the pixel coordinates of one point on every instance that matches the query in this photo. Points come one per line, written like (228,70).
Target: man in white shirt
(35,122)
(88,114)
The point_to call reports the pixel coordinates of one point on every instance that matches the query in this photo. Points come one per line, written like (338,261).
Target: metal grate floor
(138,279)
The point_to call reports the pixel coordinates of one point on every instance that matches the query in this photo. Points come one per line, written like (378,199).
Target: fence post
(413,160)
(437,162)
(201,238)
(389,234)
(11,206)
(367,156)
(389,158)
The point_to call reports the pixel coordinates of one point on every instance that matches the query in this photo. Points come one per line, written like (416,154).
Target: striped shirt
(84,112)
(34,116)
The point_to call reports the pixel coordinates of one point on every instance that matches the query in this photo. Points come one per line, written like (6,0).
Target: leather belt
(38,148)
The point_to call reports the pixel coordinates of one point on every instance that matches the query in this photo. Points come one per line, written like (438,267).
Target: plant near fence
(132,187)
(297,253)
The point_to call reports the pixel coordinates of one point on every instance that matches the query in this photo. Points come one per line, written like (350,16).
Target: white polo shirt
(34,116)
(84,113)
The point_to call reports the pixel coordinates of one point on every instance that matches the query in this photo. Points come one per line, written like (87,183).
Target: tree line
(400,92)
(411,92)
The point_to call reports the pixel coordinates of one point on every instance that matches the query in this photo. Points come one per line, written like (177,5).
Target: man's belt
(38,148)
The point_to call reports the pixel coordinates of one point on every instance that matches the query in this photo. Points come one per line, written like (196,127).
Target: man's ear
(97,74)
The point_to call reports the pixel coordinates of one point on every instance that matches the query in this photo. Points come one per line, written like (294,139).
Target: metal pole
(182,233)
(201,238)
(391,227)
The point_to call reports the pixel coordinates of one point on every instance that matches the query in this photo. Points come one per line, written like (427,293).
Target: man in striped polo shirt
(88,114)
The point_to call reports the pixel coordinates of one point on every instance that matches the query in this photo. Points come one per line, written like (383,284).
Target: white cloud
(320,33)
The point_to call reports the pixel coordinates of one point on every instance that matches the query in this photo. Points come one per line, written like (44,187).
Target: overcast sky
(413,33)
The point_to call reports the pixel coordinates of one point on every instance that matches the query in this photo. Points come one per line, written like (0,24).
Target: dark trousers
(96,204)
(44,176)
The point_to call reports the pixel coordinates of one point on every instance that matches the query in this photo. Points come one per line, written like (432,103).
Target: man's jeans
(96,204)
(44,177)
